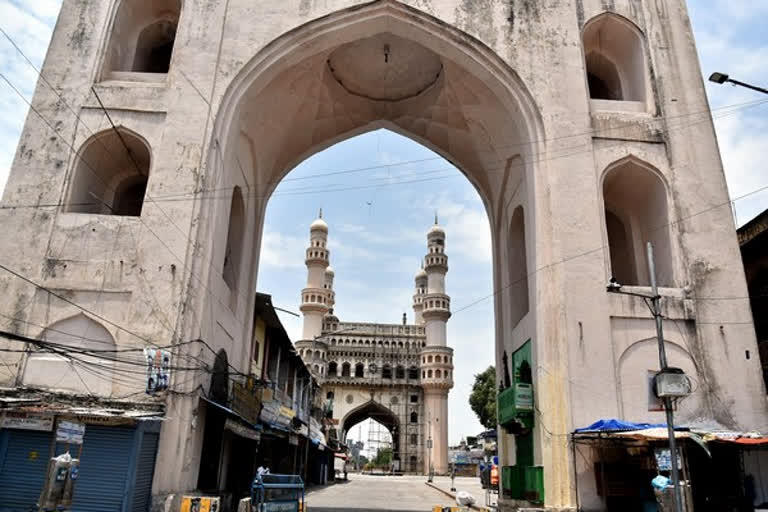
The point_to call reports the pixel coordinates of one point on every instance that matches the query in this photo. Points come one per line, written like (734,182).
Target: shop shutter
(104,465)
(145,470)
(23,468)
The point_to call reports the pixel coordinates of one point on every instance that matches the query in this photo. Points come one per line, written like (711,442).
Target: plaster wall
(158,277)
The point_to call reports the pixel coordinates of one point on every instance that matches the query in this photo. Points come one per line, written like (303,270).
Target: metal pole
(663,362)
(748,86)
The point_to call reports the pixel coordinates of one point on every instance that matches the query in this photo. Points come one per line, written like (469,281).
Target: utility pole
(656,302)
(669,382)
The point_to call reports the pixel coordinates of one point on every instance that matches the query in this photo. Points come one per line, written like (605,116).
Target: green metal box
(523,483)
(534,484)
(515,405)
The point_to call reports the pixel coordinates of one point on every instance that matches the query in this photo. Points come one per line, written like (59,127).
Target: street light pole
(721,78)
(656,301)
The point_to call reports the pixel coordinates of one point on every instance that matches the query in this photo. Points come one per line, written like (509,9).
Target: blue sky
(377,233)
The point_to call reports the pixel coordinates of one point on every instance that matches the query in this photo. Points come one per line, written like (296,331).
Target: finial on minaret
(435,217)
(321,214)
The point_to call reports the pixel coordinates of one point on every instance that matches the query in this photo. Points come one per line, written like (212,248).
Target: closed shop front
(116,467)
(24,458)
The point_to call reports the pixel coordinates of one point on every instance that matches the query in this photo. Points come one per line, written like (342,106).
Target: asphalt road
(380,493)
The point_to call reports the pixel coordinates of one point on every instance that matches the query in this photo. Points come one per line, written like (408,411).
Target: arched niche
(614,50)
(637,212)
(636,367)
(142,39)
(110,175)
(517,260)
(81,374)
(233,250)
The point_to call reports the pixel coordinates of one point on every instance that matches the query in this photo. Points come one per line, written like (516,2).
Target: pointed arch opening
(614,50)
(110,175)
(471,109)
(142,39)
(233,250)
(637,212)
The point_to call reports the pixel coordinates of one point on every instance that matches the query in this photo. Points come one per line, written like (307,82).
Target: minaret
(420,288)
(316,298)
(436,357)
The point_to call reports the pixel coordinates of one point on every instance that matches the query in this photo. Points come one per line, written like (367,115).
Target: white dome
(329,271)
(319,225)
(436,230)
(421,274)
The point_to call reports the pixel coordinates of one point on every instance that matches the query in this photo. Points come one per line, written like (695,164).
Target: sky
(378,233)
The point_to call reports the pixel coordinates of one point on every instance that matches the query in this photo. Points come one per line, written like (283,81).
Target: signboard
(158,369)
(70,432)
(287,412)
(241,430)
(523,396)
(199,504)
(24,421)
(245,402)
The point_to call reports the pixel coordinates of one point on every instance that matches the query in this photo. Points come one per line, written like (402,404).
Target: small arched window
(333,368)
(400,372)
(110,175)
(615,59)
(414,417)
(429,374)
(143,37)
(386,372)
(438,374)
(359,370)
(413,373)
(345,370)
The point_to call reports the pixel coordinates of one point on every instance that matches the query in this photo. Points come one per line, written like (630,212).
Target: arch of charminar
(582,124)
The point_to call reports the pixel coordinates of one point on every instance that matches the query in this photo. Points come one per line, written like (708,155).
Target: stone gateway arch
(583,126)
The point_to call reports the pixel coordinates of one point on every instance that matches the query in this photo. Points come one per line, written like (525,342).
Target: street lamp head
(718,78)
(613,285)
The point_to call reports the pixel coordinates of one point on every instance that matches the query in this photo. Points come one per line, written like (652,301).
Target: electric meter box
(69,487)
(55,482)
(672,383)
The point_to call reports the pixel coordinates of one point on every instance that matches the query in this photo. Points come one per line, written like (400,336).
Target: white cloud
(282,251)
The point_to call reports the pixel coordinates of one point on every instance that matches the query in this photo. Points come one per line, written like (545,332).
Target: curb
(451,495)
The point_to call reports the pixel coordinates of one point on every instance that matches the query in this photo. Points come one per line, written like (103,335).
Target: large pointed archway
(381,415)
(386,65)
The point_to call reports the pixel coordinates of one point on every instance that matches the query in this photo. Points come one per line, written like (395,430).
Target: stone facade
(582,124)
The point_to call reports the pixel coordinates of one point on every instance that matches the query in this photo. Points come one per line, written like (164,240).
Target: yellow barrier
(199,504)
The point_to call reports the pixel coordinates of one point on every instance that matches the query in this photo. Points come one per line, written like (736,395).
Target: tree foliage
(383,457)
(482,400)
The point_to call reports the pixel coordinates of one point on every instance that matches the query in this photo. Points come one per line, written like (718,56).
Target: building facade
(582,124)
(396,374)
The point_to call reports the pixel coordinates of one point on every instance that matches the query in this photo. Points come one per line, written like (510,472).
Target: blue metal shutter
(104,464)
(23,468)
(145,470)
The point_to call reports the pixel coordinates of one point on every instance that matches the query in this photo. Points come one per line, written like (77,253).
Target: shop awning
(617,429)
(614,425)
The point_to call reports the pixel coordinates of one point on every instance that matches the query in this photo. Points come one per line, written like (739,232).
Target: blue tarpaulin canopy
(614,425)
